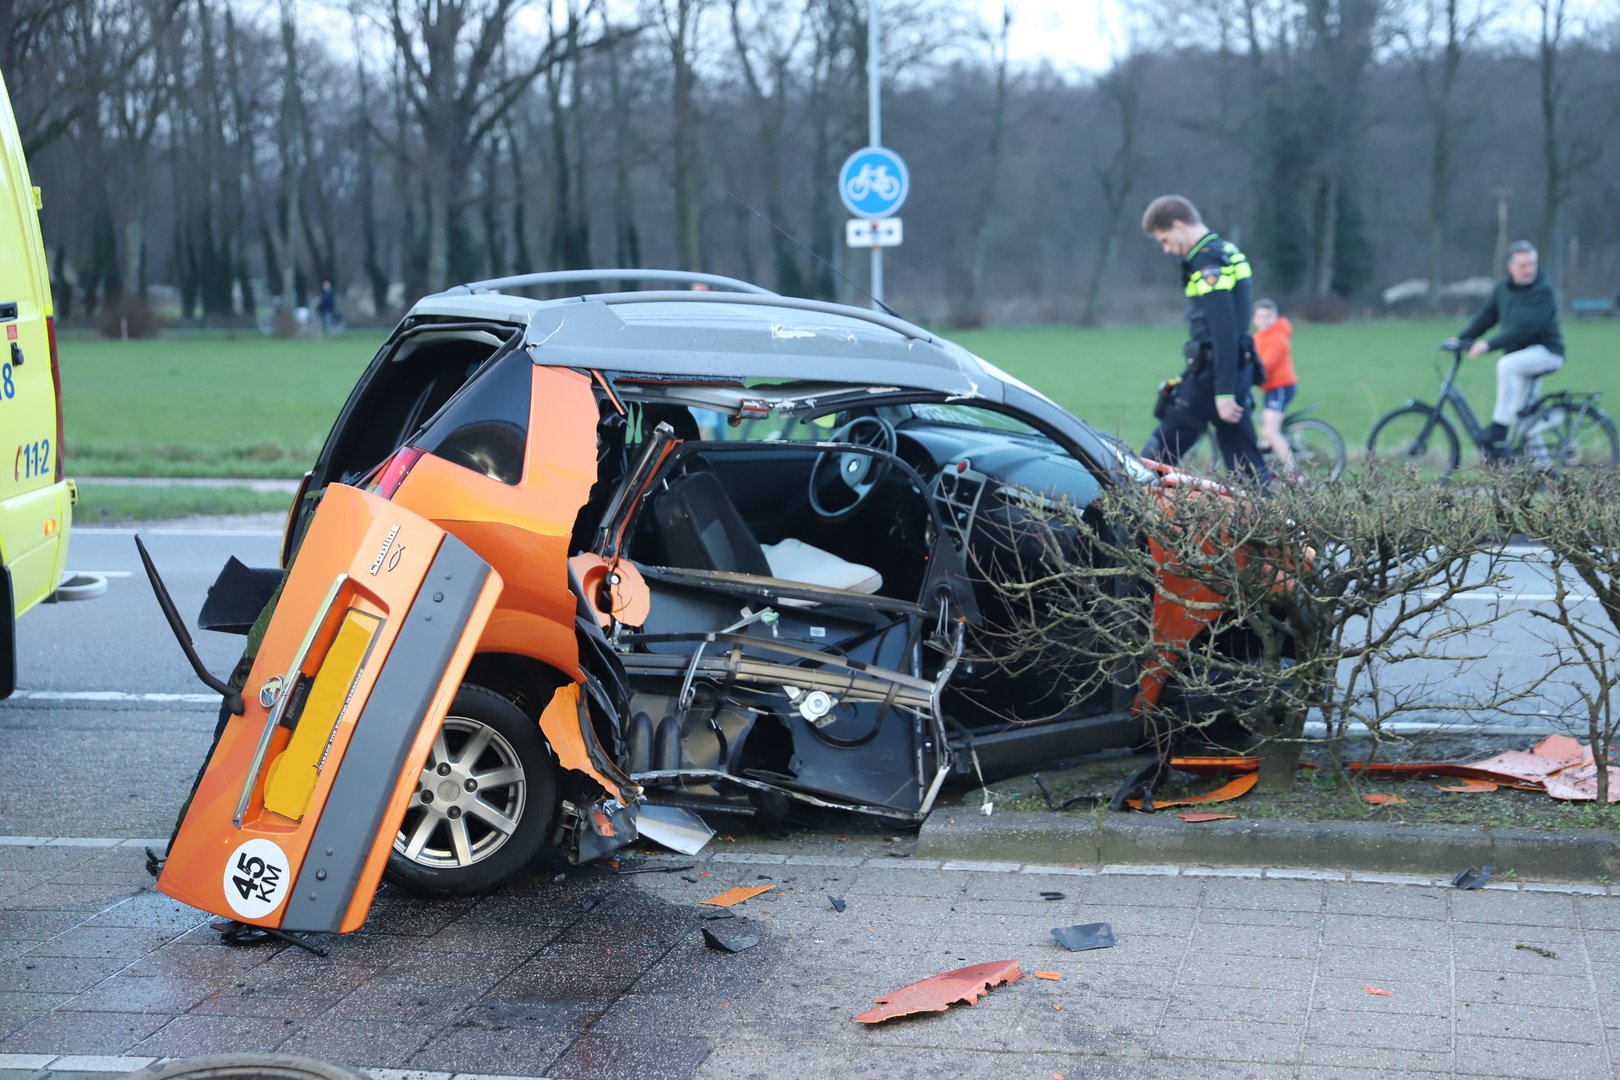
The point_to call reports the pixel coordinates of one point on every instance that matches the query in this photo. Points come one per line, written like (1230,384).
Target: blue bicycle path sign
(873,182)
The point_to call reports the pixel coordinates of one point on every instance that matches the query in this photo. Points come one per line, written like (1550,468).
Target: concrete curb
(1084,839)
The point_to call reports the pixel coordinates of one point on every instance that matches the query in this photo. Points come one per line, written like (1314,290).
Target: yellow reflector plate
(291,778)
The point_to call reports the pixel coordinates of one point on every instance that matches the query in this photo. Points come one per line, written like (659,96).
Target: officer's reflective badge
(1211,275)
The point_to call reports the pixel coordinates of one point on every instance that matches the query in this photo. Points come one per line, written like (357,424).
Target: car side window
(485,427)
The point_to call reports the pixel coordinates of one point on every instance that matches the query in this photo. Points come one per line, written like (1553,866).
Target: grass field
(105,503)
(204,406)
(1352,372)
(256,407)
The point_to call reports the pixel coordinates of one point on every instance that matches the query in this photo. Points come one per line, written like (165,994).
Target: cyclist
(1214,391)
(1524,309)
(1273,335)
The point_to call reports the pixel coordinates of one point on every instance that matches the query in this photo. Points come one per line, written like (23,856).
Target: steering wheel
(858,473)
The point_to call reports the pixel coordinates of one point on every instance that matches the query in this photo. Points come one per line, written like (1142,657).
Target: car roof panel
(724,335)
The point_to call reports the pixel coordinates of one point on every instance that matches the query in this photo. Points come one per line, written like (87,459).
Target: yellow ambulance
(36,500)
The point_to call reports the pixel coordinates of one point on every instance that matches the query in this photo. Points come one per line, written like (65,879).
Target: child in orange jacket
(1272,334)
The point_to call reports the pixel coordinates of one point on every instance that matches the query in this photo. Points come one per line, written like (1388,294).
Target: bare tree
(1563,158)
(984,205)
(769,43)
(1576,518)
(1436,35)
(1120,91)
(1264,608)
(457,93)
(679,24)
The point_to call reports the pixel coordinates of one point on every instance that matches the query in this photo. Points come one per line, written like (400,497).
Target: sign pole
(874,114)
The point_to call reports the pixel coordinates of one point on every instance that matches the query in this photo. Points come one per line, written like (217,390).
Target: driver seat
(702,530)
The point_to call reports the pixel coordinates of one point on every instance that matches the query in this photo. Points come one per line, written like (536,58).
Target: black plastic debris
(658,869)
(838,904)
(589,902)
(237,934)
(729,942)
(713,915)
(1097,935)
(154,862)
(1473,879)
(1051,894)
(1088,801)
(899,854)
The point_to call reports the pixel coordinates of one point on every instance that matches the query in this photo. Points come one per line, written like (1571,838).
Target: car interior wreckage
(568,570)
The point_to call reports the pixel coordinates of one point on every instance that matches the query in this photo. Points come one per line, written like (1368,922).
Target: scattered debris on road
(1546,954)
(1468,786)
(677,868)
(1379,991)
(737,895)
(939,992)
(838,905)
(1195,817)
(1232,789)
(1049,975)
(1563,767)
(1050,894)
(1378,798)
(1087,936)
(728,940)
(1473,879)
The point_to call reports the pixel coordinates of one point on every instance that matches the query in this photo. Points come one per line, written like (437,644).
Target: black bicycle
(1557,431)
(1317,447)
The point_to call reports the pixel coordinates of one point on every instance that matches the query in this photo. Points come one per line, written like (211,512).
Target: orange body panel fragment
(733,897)
(362,566)
(940,992)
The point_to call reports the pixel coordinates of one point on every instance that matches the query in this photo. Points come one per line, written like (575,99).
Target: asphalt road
(106,701)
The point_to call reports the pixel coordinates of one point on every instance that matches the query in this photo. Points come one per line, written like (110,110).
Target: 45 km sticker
(256,878)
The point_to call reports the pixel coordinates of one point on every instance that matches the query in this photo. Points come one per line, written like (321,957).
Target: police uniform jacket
(1220,301)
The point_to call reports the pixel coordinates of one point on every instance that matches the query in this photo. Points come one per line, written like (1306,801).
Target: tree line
(227,152)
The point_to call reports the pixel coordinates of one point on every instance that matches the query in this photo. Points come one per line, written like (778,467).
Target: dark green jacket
(1524,315)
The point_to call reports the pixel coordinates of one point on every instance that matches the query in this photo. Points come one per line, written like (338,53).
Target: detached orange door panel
(293,820)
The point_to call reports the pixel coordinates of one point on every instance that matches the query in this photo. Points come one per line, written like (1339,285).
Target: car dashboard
(968,468)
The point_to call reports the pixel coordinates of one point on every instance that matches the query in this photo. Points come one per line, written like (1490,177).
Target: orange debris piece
(939,992)
(1563,767)
(1054,976)
(1376,990)
(1469,784)
(1380,799)
(1196,816)
(1242,785)
(732,897)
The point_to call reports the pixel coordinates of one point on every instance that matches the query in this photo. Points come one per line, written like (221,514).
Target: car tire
(245,1067)
(457,841)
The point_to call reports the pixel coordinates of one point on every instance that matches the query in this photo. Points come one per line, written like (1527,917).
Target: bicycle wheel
(1567,437)
(1318,448)
(1418,439)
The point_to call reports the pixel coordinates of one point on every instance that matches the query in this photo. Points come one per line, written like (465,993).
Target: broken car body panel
(294,817)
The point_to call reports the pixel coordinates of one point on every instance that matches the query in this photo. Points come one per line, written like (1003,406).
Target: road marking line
(115,696)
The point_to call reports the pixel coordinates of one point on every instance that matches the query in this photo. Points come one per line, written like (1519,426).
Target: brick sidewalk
(1228,973)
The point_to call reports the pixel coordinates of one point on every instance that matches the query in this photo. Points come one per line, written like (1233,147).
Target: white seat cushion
(795,560)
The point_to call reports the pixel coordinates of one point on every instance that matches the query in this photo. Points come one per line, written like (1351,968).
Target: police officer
(1215,388)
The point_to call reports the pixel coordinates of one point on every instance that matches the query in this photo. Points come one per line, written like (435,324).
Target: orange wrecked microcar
(565,561)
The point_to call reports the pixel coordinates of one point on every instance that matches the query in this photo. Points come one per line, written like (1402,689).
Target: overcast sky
(1072,34)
